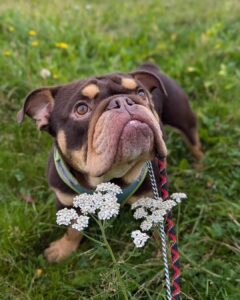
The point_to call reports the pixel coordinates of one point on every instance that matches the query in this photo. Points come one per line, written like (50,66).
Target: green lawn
(195,42)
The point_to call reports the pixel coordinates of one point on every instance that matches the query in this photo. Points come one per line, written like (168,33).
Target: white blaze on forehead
(129,83)
(90,91)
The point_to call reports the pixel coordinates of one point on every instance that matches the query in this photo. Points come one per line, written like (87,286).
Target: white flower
(140,213)
(81,224)
(152,211)
(104,203)
(88,203)
(109,208)
(65,216)
(139,238)
(157,216)
(149,204)
(88,6)
(109,187)
(167,205)
(142,203)
(146,225)
(178,197)
(45,73)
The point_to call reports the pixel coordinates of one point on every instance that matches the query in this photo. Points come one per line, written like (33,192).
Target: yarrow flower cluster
(178,197)
(109,187)
(139,238)
(81,223)
(66,216)
(152,212)
(103,203)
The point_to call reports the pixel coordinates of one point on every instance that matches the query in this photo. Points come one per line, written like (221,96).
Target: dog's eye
(140,92)
(81,109)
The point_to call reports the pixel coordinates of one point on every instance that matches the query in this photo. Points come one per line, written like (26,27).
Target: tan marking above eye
(129,83)
(62,142)
(90,91)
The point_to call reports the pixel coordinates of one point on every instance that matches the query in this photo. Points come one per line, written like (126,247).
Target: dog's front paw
(60,249)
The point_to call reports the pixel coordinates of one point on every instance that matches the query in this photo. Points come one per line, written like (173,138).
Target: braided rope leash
(162,233)
(171,234)
(175,294)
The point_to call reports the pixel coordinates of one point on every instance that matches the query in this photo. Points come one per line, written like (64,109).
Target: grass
(197,43)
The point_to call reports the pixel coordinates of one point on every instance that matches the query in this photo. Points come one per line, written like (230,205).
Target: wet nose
(120,103)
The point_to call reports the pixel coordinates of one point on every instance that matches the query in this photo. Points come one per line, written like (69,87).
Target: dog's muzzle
(125,132)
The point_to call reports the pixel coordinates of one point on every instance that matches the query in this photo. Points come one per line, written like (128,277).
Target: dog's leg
(191,137)
(62,248)
(173,108)
(186,124)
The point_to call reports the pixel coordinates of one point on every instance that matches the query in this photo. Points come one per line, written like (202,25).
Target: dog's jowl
(105,129)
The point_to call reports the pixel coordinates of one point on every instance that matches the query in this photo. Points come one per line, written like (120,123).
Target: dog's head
(103,126)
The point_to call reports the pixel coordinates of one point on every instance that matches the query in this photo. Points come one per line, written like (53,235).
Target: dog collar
(68,178)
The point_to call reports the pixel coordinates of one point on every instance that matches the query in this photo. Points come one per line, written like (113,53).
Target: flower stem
(92,239)
(123,288)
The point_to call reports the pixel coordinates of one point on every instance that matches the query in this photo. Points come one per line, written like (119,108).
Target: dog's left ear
(149,80)
(38,105)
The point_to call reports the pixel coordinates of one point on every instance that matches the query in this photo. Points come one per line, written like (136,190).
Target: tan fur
(195,149)
(133,173)
(196,152)
(62,143)
(133,199)
(65,199)
(128,172)
(91,91)
(115,172)
(62,248)
(77,159)
(129,83)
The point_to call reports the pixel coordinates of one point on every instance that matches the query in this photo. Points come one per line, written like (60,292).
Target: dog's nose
(120,102)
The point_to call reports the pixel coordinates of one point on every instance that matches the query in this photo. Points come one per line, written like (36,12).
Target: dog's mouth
(135,140)
(123,138)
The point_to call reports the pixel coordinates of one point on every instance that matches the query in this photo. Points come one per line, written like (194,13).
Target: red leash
(176,290)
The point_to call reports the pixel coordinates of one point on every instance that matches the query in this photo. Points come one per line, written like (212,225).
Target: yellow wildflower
(61,45)
(208,84)
(55,76)
(32,33)
(214,30)
(38,273)
(218,46)
(191,69)
(223,70)
(204,37)
(35,43)
(11,28)
(7,53)
(173,37)
(162,46)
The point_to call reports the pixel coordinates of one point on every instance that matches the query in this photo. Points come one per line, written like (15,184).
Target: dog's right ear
(38,105)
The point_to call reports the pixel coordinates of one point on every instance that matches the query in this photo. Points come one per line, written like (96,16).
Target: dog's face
(104,126)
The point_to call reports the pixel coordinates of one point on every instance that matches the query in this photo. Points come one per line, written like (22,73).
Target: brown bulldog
(105,129)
